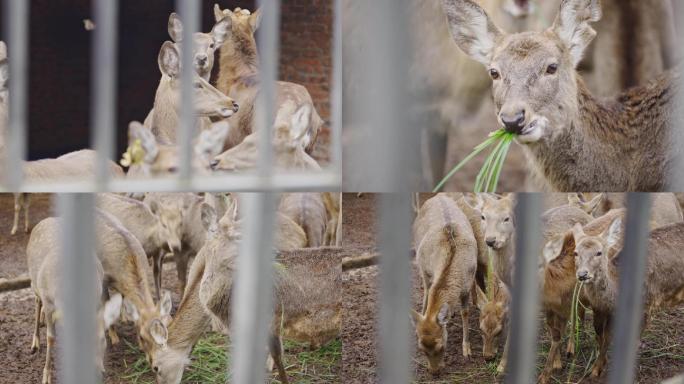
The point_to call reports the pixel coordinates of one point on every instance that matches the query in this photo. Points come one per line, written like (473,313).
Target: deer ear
(218,13)
(612,235)
(137,131)
(211,141)
(255,19)
(573,28)
(221,30)
(209,219)
(112,310)
(175,28)
(575,199)
(552,249)
(169,60)
(4,73)
(415,317)
(165,304)
(481,297)
(443,315)
(299,126)
(472,29)
(593,204)
(474,201)
(158,332)
(577,232)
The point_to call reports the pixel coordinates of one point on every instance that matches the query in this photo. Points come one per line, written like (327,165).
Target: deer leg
(504,358)
(276,348)
(552,325)
(465,311)
(182,269)
(27,204)
(113,336)
(17,208)
(47,379)
(601,326)
(35,344)
(575,324)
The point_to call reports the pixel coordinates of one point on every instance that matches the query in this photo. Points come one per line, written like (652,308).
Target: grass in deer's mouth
(488,178)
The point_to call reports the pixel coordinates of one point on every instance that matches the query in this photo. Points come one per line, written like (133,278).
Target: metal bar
(104,77)
(524,310)
(336,90)
(676,174)
(395,288)
(252,308)
(268,47)
(78,298)
(16,21)
(189,11)
(285,181)
(629,315)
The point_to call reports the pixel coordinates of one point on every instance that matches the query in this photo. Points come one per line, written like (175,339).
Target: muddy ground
(661,354)
(17,317)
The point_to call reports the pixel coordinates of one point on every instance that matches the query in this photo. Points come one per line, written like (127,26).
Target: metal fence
(253,286)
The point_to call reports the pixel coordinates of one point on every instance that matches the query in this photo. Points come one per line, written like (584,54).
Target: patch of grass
(488,178)
(211,359)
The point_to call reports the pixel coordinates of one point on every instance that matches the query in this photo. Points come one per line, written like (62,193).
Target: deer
(44,254)
(597,259)
(333,208)
(309,212)
(209,102)
(78,165)
(125,269)
(288,148)
(238,78)
(493,307)
(573,140)
(191,319)
(156,233)
(446,252)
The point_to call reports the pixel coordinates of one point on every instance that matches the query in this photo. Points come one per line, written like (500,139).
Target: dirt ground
(661,353)
(17,317)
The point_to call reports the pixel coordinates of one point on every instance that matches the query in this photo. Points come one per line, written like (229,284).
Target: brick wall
(59,104)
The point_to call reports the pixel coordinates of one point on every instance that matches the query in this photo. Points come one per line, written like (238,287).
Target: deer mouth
(533,132)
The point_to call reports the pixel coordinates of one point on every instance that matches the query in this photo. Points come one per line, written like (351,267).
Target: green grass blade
(491,140)
(500,162)
(479,181)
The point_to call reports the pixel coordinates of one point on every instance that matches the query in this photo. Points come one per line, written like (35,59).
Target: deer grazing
(156,233)
(446,251)
(43,254)
(125,269)
(575,141)
(239,78)
(597,259)
(288,148)
(309,212)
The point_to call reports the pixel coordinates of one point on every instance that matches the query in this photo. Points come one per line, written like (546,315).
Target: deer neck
(602,290)
(165,117)
(503,262)
(191,320)
(239,69)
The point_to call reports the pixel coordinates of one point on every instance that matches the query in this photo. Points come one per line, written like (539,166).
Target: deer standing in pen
(239,78)
(574,140)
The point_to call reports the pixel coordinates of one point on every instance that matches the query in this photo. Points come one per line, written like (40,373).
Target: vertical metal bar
(78,298)
(268,47)
(382,132)
(104,75)
(525,304)
(16,21)
(189,11)
(252,307)
(336,89)
(676,175)
(627,319)
(395,288)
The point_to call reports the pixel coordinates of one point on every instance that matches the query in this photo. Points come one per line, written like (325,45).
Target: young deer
(308,211)
(239,78)
(125,267)
(156,233)
(288,148)
(446,251)
(43,254)
(575,141)
(597,258)
(209,102)
(493,315)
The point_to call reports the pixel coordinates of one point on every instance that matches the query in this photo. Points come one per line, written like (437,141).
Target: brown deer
(288,148)
(574,140)
(446,252)
(308,211)
(43,254)
(239,78)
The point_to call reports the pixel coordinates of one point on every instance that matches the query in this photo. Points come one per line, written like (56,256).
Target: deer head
(205,44)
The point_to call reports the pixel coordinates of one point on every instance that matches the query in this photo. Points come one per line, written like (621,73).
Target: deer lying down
(156,233)
(446,251)
(191,319)
(239,78)
(125,269)
(74,166)
(574,140)
(289,141)
(43,254)
(597,266)
(308,211)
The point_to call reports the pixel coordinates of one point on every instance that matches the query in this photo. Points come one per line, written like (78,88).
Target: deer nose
(236,107)
(582,275)
(214,163)
(490,241)
(201,59)
(514,123)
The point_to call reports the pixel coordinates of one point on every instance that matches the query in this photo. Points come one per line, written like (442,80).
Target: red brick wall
(59,101)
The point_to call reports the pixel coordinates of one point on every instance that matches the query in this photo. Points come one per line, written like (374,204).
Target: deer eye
(483,218)
(599,253)
(155,369)
(575,254)
(494,74)
(552,69)
(506,220)
(211,46)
